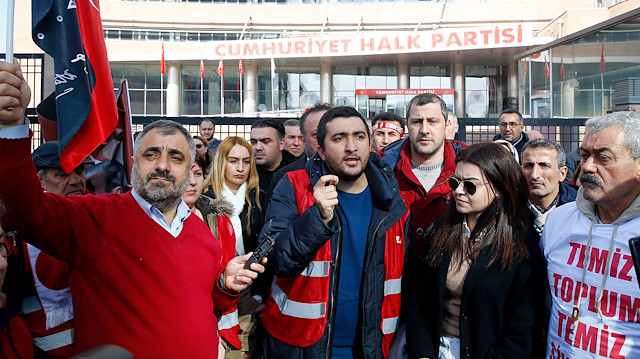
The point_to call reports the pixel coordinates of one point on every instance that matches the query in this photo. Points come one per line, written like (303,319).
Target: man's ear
(281,147)
(321,152)
(563,173)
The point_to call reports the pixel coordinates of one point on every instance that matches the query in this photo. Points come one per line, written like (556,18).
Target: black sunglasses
(469,186)
(8,241)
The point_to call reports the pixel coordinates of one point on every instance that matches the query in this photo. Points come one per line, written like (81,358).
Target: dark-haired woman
(477,286)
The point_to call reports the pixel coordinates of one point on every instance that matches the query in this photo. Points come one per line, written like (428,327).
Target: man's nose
(425,128)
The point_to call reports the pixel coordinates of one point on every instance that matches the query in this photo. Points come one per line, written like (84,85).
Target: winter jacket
(592,278)
(425,206)
(500,311)
(299,237)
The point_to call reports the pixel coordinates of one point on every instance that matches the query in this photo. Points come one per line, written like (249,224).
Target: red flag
(163,65)
(547,72)
(71,32)
(201,68)
(563,73)
(240,68)
(602,62)
(526,67)
(220,68)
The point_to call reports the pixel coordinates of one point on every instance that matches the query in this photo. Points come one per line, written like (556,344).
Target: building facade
(480,56)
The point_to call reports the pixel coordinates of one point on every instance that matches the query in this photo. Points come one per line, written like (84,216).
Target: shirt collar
(182,213)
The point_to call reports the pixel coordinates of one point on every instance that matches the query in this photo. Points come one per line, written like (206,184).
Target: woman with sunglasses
(15,340)
(477,286)
(233,176)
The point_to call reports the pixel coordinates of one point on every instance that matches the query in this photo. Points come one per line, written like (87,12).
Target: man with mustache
(511,127)
(144,274)
(340,248)
(543,164)
(593,284)
(423,161)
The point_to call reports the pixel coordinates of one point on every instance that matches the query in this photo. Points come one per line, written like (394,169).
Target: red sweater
(133,284)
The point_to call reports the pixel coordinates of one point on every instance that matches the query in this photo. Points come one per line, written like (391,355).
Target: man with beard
(267,141)
(144,273)
(339,227)
(424,161)
(543,165)
(593,285)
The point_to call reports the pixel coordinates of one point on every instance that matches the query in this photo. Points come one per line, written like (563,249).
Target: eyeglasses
(469,186)
(8,241)
(510,124)
(199,145)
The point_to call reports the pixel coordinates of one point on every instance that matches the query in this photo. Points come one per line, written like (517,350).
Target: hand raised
(14,94)
(326,196)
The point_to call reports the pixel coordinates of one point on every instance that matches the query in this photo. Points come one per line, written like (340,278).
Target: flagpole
(201,96)
(241,111)
(222,94)
(273,79)
(161,95)
(10,13)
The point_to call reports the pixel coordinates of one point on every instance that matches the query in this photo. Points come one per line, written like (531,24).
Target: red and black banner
(70,31)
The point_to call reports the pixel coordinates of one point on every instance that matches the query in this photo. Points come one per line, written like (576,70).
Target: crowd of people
(387,245)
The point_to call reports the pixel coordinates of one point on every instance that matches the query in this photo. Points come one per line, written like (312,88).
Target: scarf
(237,201)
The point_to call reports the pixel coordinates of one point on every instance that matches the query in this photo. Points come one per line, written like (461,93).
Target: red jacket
(424,206)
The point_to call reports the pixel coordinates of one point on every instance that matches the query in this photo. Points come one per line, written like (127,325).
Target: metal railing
(567,132)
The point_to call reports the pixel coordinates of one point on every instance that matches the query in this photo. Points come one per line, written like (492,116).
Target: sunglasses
(8,241)
(469,186)
(199,145)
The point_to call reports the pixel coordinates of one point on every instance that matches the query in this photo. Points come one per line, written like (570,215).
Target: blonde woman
(233,176)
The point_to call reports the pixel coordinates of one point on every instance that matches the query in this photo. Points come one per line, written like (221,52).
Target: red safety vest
(228,323)
(296,310)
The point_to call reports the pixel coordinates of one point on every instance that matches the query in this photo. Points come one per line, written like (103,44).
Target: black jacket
(500,312)
(298,237)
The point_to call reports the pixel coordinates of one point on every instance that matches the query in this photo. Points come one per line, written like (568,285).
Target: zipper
(334,282)
(368,258)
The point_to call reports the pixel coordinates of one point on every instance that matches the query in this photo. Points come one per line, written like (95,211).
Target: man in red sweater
(144,273)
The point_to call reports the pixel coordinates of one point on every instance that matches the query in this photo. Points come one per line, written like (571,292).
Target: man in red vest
(340,249)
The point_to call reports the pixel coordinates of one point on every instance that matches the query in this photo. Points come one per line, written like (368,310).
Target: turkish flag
(547,72)
(526,67)
(220,68)
(163,65)
(563,73)
(201,68)
(240,68)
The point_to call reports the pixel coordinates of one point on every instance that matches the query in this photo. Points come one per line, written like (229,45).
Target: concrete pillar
(403,73)
(250,87)
(512,80)
(458,80)
(326,82)
(173,89)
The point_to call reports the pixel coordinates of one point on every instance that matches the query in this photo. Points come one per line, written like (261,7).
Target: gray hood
(589,209)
